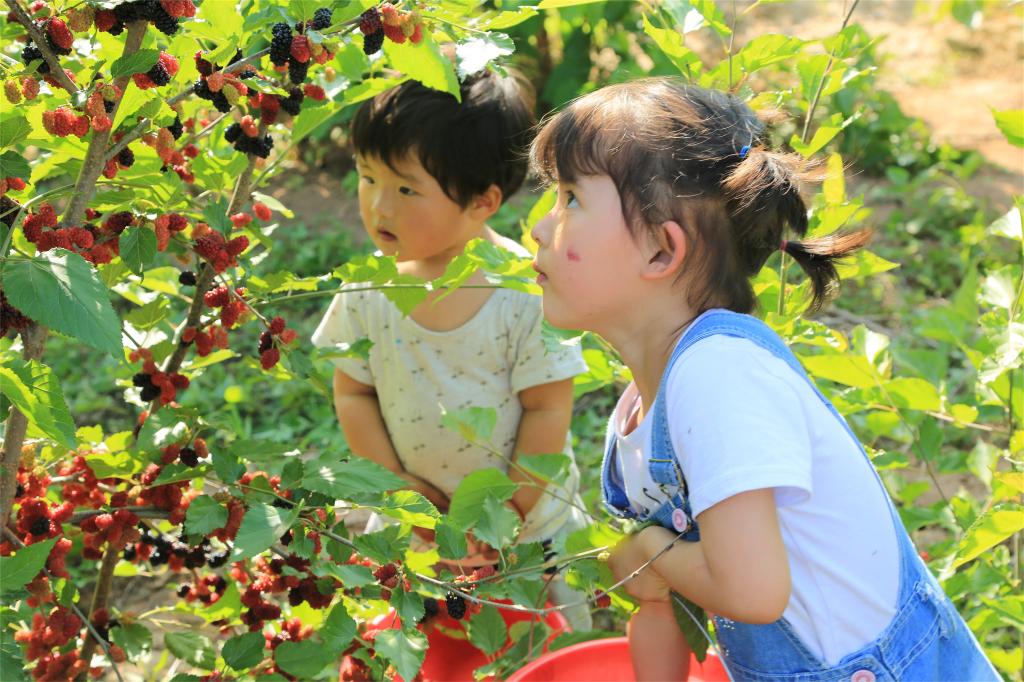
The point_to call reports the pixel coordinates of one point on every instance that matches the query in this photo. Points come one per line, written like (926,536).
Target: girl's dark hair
(698,157)
(466,146)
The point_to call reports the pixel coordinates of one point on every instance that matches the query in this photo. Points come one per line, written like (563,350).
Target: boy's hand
(631,554)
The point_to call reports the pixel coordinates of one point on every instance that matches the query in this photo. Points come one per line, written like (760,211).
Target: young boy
(432,171)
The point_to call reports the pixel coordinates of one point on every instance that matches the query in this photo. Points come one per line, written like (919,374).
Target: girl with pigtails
(774,519)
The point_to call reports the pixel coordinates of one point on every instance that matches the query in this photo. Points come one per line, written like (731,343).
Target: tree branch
(56,70)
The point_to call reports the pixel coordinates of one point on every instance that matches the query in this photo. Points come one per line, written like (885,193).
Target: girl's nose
(541,232)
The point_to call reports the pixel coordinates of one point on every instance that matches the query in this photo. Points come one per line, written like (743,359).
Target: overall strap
(613,491)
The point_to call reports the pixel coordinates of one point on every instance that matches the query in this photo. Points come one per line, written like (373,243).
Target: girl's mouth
(387,236)
(541,277)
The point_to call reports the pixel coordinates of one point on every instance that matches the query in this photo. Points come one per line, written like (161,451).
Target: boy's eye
(570,199)
(366,178)
(408,191)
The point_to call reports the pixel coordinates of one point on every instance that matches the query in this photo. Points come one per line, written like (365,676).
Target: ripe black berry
(430,607)
(158,74)
(183,589)
(108,105)
(286,539)
(233,132)
(176,127)
(164,22)
(293,105)
(129,553)
(297,71)
(217,559)
(188,457)
(150,392)
(281,44)
(456,605)
(266,341)
(40,526)
(195,558)
(19,490)
(30,54)
(157,557)
(188,278)
(373,42)
(126,157)
(321,19)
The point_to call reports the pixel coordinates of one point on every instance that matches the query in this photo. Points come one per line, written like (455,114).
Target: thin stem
(56,70)
(99,601)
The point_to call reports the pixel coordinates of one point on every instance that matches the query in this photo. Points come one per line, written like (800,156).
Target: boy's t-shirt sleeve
(737,423)
(532,363)
(345,322)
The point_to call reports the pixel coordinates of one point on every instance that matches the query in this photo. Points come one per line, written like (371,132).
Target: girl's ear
(484,205)
(667,251)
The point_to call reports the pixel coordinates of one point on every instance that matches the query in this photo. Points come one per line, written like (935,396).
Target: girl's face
(588,262)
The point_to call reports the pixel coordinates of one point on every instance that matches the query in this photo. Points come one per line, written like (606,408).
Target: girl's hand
(631,554)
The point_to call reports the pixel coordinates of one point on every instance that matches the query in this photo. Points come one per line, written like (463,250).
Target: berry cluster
(54,630)
(295,52)
(117,528)
(215,337)
(276,334)
(78,239)
(166,226)
(223,89)
(81,487)
(244,136)
(389,22)
(63,121)
(58,36)
(163,14)
(159,75)
(27,87)
(231,307)
(154,383)
(220,252)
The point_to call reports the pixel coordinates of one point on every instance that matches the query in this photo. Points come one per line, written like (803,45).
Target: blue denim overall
(926,639)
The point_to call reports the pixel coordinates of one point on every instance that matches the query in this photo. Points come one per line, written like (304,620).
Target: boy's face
(407,214)
(588,262)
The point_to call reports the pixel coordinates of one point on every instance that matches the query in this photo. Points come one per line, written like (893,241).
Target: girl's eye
(570,199)
(366,178)
(408,191)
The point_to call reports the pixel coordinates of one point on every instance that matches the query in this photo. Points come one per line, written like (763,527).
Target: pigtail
(817,257)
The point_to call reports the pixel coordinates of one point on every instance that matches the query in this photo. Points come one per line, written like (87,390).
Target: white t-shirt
(741,419)
(485,362)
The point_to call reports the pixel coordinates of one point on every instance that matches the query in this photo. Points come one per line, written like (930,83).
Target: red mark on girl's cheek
(573,256)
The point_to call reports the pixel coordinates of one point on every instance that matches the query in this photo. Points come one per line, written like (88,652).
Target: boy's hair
(698,157)
(467,146)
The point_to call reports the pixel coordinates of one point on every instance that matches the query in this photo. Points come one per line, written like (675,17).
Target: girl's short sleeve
(345,323)
(738,422)
(533,364)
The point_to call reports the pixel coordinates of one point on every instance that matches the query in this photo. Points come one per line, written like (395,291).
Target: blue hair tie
(743,151)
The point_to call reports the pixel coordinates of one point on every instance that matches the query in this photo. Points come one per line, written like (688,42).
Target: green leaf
(18,569)
(849,370)
(409,506)
(764,50)
(138,62)
(303,659)
(205,514)
(149,315)
(670,42)
(13,129)
(487,630)
(405,650)
(475,424)
(216,216)
(550,468)
(451,540)
(863,264)
(303,10)
(1008,225)
(990,529)
(497,524)
(338,629)
(693,621)
(825,133)
(191,647)
(913,394)
(244,651)
(138,248)
(472,491)
(425,63)
(34,390)
(261,526)
(61,290)
(1011,123)
(384,544)
(408,605)
(134,638)
(119,464)
(349,477)
(14,165)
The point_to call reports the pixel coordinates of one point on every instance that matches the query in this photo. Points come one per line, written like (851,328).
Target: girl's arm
(547,411)
(656,644)
(358,411)
(738,569)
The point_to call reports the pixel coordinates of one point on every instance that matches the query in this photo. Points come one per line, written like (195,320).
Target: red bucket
(604,659)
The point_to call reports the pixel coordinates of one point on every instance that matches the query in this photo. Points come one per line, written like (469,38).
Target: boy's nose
(542,230)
